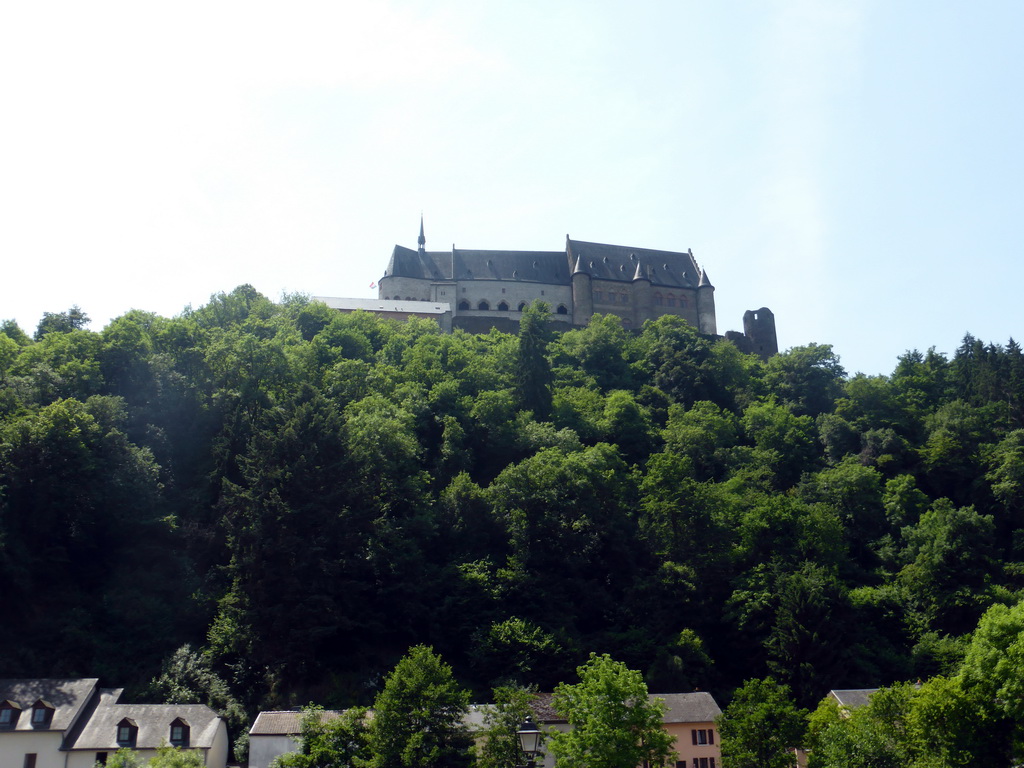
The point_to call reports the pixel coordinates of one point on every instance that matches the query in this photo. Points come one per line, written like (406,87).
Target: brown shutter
(693,733)
(711,735)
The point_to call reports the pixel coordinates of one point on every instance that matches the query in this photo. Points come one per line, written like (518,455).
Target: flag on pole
(373,284)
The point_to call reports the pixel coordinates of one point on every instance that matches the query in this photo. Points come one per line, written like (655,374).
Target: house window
(179,733)
(127,730)
(42,712)
(702,736)
(101,758)
(30,760)
(703,762)
(9,712)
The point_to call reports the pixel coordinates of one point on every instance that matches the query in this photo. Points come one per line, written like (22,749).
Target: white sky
(855,166)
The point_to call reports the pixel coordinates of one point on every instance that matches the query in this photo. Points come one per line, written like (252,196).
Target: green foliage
(533,383)
(500,747)
(330,740)
(614,724)
(761,726)
(417,720)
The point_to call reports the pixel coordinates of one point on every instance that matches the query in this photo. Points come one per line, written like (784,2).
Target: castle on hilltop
(477,290)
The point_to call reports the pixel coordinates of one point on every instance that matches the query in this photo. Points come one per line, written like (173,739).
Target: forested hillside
(303,495)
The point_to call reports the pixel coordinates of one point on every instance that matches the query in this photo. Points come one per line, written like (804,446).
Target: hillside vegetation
(302,496)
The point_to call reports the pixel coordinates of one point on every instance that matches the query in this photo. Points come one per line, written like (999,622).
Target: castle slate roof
(66,696)
(619,262)
(599,260)
(465,264)
(154,724)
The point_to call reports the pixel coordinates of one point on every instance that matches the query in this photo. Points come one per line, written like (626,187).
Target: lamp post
(529,740)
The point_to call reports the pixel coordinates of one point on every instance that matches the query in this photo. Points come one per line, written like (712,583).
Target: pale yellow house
(73,723)
(689,718)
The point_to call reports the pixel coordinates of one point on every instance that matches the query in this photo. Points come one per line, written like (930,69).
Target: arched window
(670,300)
(463,304)
(659,300)
(483,305)
(623,298)
(503,306)
(598,295)
(522,306)
(684,302)
(562,310)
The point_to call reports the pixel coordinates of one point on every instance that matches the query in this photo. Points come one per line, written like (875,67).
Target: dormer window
(179,733)
(9,712)
(42,714)
(127,732)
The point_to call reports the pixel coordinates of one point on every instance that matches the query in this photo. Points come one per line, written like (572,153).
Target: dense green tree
(807,379)
(62,322)
(533,369)
(761,726)
(500,746)
(330,740)
(418,716)
(614,723)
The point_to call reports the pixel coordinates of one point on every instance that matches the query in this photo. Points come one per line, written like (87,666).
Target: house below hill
(73,723)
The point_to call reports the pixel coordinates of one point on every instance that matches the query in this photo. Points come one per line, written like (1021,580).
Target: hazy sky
(855,166)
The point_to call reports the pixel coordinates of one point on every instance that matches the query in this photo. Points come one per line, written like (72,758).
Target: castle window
(463,304)
(503,306)
(683,302)
(611,297)
(522,305)
(562,310)
(598,295)
(670,300)
(483,305)
(659,301)
(623,298)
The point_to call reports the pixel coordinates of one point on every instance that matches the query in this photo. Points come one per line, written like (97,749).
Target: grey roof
(386,305)
(599,260)
(154,723)
(67,696)
(619,262)
(852,698)
(696,707)
(284,723)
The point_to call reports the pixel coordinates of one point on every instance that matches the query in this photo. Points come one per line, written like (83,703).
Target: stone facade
(488,289)
(477,290)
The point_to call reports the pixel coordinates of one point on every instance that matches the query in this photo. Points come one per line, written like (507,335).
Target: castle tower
(759,328)
(642,302)
(706,322)
(582,296)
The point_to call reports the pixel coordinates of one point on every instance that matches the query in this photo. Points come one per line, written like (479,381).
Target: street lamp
(529,740)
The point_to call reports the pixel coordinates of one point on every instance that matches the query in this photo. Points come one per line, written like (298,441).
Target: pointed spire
(641,273)
(704,282)
(580,269)
(422,239)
